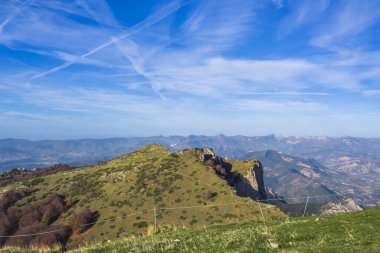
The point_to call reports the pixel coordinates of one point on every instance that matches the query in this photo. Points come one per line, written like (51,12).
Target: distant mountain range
(299,176)
(295,176)
(333,164)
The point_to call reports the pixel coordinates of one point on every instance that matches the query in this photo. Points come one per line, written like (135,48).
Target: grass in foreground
(353,232)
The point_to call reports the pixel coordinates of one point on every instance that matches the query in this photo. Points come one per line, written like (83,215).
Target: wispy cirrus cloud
(186,62)
(301,14)
(218,76)
(149,21)
(289,93)
(48,29)
(198,67)
(14,12)
(30,116)
(280,106)
(210,24)
(371,92)
(347,22)
(334,25)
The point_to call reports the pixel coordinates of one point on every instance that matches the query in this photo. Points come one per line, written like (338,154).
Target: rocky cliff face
(340,206)
(259,175)
(251,184)
(290,176)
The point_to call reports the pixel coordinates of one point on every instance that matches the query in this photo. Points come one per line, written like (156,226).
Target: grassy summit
(185,193)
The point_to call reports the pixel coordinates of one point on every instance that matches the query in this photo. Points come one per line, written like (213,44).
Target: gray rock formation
(249,185)
(258,172)
(205,154)
(340,206)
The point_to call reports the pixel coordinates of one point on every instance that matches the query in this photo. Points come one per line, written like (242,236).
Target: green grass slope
(350,232)
(125,191)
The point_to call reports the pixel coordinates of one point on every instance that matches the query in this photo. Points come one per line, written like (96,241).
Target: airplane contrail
(14,14)
(151,20)
(287,93)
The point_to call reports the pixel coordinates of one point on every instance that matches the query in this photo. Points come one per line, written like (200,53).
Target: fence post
(261,210)
(307,201)
(155,220)
(262,214)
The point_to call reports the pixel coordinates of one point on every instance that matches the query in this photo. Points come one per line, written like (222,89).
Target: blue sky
(91,68)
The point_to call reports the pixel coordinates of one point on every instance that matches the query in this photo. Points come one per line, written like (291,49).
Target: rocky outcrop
(205,154)
(221,168)
(258,172)
(249,185)
(340,206)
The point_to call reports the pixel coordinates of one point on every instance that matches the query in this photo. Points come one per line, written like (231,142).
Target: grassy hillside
(350,232)
(126,190)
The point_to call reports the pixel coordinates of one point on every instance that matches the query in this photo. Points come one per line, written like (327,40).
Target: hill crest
(183,190)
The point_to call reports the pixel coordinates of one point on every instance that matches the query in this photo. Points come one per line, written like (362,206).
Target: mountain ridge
(183,189)
(355,159)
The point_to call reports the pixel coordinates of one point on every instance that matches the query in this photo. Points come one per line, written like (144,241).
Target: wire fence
(291,209)
(155,209)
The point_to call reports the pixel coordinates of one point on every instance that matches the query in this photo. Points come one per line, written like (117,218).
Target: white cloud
(125,71)
(219,24)
(99,11)
(14,13)
(302,13)
(156,17)
(194,69)
(47,29)
(280,106)
(31,116)
(347,21)
(360,58)
(289,93)
(218,76)
(371,92)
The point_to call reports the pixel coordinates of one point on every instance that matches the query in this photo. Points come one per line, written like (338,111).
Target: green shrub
(174,155)
(141,224)
(33,182)
(45,219)
(193,221)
